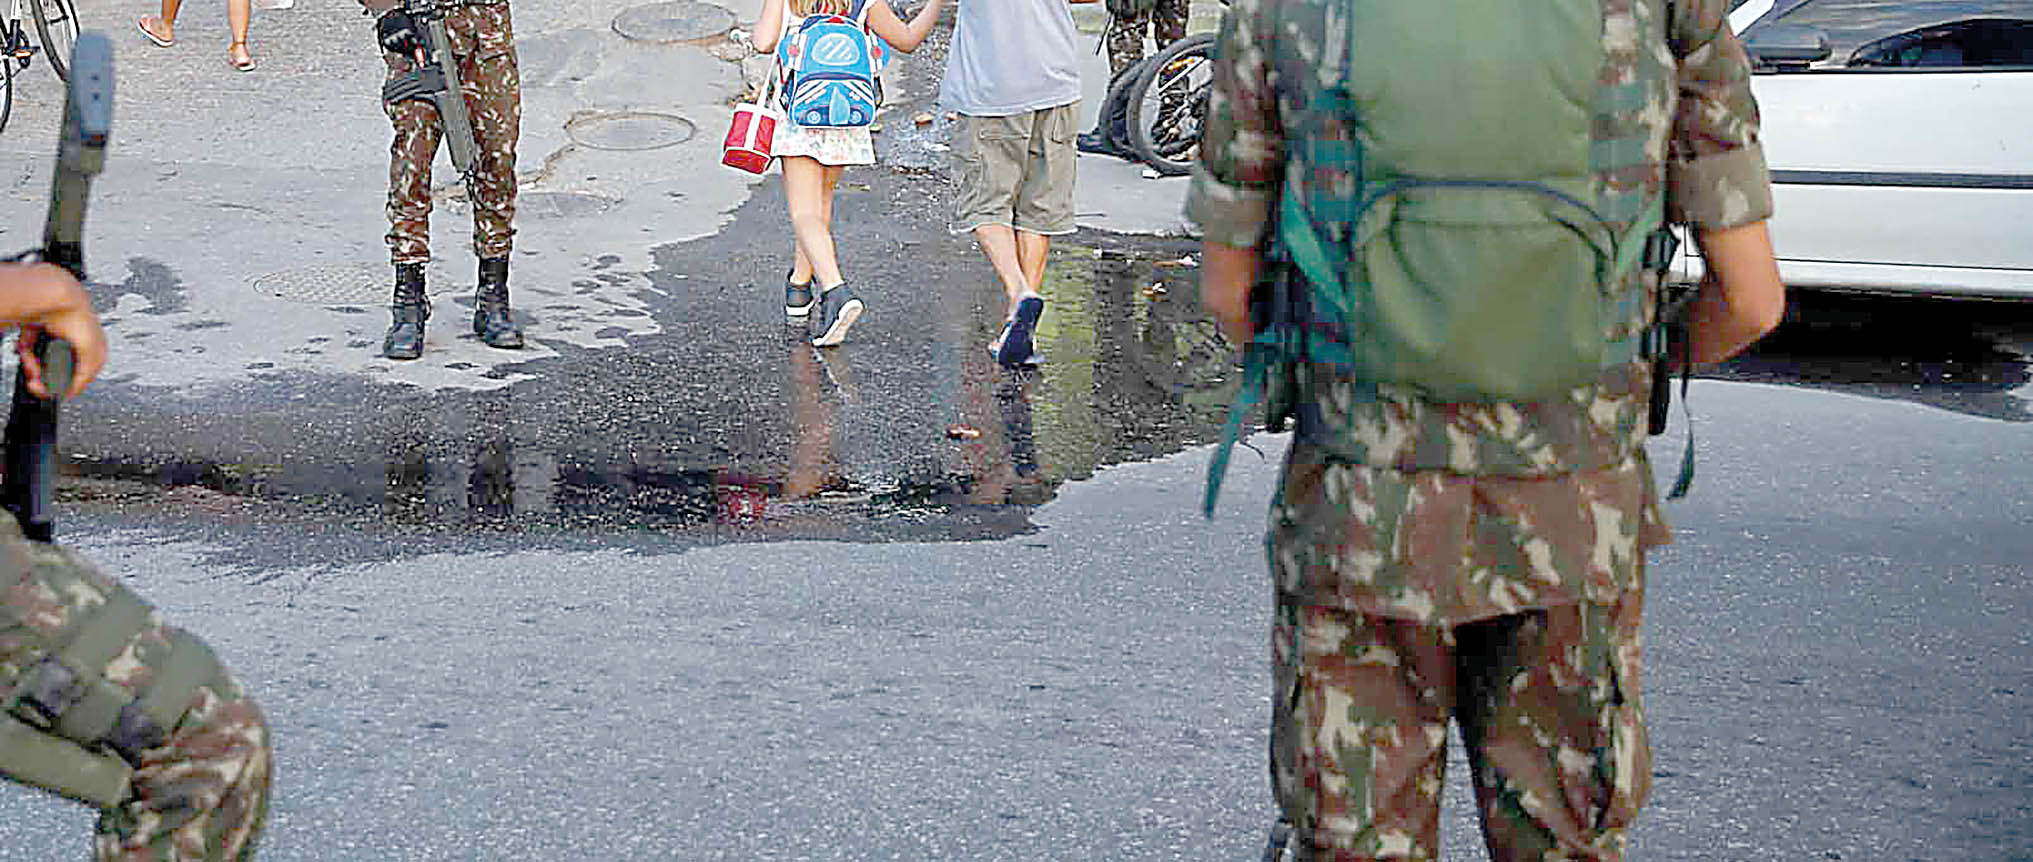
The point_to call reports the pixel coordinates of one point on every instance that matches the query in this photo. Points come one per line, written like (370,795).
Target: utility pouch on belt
(39,760)
(70,730)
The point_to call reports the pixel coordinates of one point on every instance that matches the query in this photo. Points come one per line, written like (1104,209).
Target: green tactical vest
(1449,207)
(64,727)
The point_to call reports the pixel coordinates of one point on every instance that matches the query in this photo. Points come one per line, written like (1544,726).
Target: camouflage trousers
(200,796)
(1166,23)
(483,40)
(1546,701)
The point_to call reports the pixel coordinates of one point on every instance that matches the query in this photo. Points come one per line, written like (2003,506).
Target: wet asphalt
(676,585)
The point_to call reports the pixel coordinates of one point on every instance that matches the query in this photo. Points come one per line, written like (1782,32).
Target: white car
(1900,137)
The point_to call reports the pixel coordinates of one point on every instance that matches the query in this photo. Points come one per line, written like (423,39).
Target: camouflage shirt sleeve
(1242,149)
(1715,173)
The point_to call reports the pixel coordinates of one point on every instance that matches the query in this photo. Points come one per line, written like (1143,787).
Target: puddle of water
(932,442)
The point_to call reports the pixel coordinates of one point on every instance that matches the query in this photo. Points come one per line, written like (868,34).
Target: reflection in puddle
(756,434)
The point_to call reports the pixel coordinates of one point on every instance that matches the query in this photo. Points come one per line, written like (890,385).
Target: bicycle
(56,22)
(1167,105)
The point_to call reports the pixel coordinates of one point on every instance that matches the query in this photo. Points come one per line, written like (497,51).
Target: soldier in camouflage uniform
(99,699)
(483,39)
(1165,22)
(1481,562)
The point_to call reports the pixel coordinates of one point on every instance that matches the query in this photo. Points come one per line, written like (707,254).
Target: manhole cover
(346,284)
(559,204)
(677,21)
(629,130)
(342,284)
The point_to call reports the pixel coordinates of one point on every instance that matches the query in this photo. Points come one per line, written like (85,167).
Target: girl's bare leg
(238,12)
(809,196)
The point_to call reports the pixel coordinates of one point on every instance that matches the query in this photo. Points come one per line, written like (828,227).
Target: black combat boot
(490,307)
(409,309)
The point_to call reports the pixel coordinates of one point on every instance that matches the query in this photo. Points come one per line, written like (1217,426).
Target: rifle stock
(29,486)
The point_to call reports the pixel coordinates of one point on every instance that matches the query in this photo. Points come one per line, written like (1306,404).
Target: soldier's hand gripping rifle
(416,29)
(30,483)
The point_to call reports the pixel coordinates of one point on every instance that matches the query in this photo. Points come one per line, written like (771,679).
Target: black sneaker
(1093,142)
(1016,339)
(797,299)
(1279,847)
(838,309)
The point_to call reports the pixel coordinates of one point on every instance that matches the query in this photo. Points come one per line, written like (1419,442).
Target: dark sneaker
(995,350)
(1016,341)
(797,299)
(1278,848)
(1093,142)
(838,309)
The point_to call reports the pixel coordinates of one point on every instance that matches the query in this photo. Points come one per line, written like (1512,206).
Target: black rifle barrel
(29,486)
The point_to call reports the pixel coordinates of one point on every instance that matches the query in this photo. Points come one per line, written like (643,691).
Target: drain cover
(676,21)
(342,284)
(629,130)
(559,204)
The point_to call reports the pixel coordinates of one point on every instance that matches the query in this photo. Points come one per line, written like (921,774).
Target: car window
(1982,42)
(1852,24)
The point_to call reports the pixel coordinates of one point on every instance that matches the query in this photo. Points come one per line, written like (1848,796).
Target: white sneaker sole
(799,311)
(838,331)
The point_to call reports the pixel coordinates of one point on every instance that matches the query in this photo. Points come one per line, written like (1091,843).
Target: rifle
(435,79)
(29,487)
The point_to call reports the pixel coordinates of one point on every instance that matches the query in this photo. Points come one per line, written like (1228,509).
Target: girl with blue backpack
(829,53)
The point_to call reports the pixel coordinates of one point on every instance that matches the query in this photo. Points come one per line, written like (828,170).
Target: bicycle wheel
(1168,106)
(57,22)
(6,99)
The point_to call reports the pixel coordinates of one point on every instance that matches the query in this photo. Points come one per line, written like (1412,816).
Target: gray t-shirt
(1011,56)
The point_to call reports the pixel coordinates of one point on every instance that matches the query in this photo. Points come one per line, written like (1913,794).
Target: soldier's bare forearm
(1226,273)
(1741,297)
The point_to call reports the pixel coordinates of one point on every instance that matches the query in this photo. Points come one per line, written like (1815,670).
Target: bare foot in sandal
(157,31)
(238,56)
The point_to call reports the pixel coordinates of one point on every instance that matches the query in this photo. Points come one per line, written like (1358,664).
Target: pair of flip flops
(246,65)
(160,42)
(1016,347)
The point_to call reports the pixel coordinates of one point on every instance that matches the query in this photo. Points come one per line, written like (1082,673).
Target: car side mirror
(1787,46)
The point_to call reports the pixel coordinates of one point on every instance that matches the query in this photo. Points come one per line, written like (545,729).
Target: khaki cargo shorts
(1015,171)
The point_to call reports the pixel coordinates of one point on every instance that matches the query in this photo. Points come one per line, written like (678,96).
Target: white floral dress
(854,146)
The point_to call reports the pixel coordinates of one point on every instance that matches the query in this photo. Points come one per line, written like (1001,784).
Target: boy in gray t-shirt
(1013,75)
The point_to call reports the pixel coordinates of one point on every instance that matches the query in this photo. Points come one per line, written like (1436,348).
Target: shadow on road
(1966,356)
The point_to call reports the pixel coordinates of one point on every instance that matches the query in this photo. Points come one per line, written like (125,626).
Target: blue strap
(1256,372)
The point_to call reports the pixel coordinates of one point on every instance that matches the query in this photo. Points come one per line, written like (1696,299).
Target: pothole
(560,204)
(629,130)
(679,21)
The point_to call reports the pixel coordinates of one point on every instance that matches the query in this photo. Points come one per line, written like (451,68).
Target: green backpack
(1482,252)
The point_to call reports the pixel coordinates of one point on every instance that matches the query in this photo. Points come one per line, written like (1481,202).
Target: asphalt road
(671,586)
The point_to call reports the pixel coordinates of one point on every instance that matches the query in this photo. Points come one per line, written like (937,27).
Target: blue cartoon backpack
(830,65)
